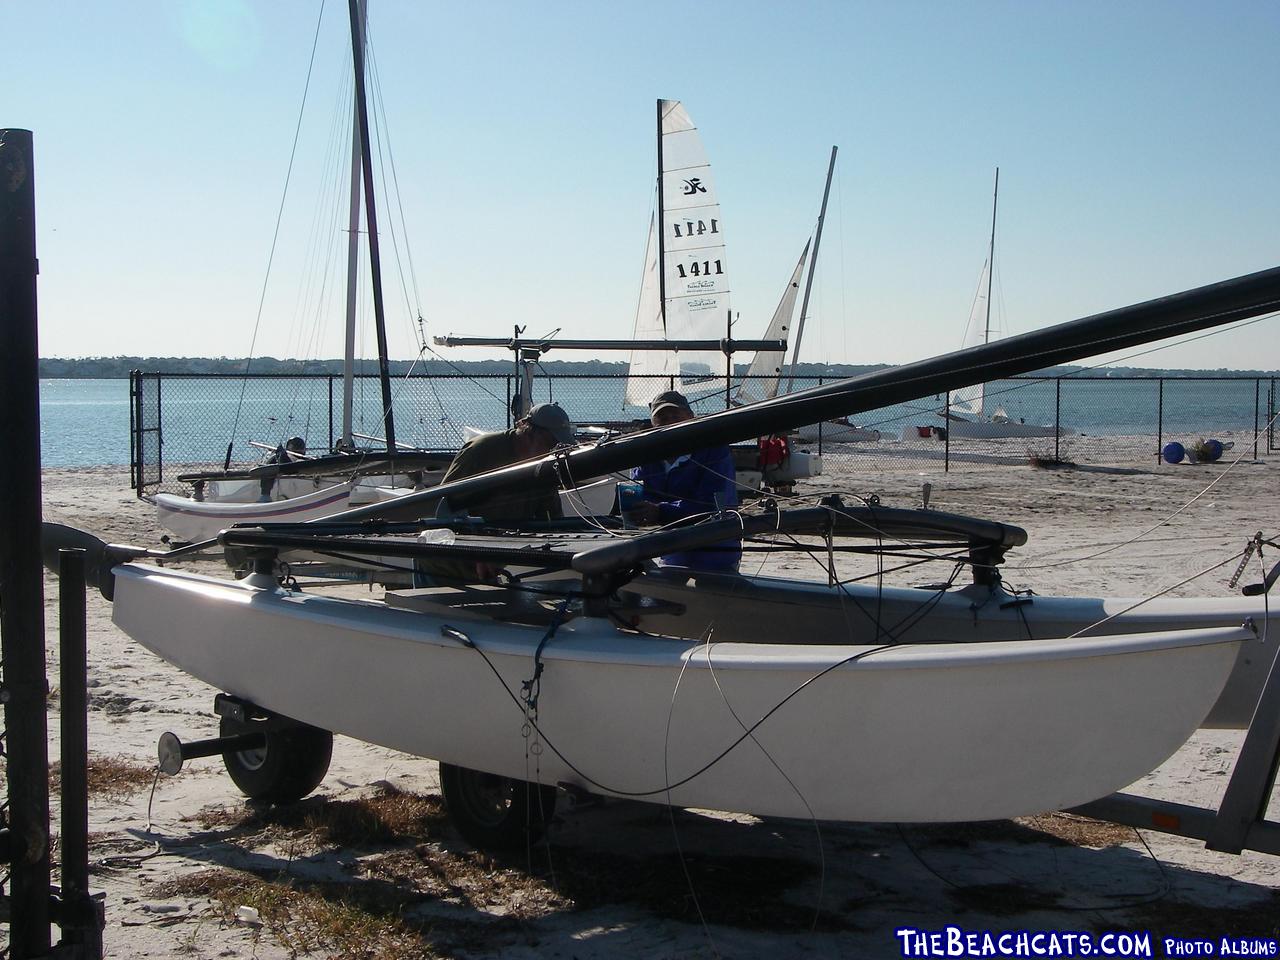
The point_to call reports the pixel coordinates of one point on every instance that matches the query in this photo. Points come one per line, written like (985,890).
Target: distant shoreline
(119,368)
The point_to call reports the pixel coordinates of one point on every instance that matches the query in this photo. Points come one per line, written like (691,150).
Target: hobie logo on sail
(702,285)
(693,185)
(703,303)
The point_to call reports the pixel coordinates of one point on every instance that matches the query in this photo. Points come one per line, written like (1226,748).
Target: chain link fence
(183,422)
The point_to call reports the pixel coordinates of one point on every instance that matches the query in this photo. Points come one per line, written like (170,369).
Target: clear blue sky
(1139,147)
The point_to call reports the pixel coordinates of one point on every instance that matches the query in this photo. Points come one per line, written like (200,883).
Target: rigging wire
(1212,483)
(1159,593)
(279,215)
(1025,901)
(391,187)
(671,809)
(313,293)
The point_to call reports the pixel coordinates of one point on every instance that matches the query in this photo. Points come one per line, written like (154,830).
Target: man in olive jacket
(544,428)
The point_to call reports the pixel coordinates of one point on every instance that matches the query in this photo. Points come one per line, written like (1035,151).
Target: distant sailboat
(765,372)
(967,415)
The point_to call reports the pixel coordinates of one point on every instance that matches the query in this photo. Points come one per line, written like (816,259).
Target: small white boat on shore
(837,431)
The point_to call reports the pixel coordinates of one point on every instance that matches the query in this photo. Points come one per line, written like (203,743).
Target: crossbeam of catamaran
(1201,308)
(724,345)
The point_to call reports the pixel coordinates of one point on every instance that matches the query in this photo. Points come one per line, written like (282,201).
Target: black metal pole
(728,359)
(331,443)
(21,575)
(946,436)
(1271,408)
(135,462)
(160,432)
(77,921)
(1057,421)
(1204,307)
(820,423)
(371,221)
(1159,419)
(1257,396)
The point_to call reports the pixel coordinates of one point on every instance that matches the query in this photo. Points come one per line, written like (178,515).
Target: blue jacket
(688,486)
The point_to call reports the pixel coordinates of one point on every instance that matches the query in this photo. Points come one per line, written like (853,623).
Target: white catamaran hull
(752,608)
(195,520)
(932,732)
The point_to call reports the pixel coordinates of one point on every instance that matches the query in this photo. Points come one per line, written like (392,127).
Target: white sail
(768,363)
(970,399)
(696,303)
(641,389)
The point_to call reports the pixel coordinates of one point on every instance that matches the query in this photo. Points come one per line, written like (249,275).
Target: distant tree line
(108,368)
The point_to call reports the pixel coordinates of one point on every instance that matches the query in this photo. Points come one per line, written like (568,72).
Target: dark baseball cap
(669,398)
(552,418)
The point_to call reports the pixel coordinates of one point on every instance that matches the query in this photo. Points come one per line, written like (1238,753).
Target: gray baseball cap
(552,418)
(669,398)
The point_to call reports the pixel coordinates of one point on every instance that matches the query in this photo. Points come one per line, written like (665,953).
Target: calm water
(86,422)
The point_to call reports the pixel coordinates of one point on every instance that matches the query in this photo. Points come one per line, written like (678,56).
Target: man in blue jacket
(701,482)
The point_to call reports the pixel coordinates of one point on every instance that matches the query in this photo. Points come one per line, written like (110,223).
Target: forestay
(970,399)
(649,366)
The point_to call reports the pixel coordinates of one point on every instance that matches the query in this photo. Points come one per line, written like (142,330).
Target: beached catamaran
(842,701)
(298,486)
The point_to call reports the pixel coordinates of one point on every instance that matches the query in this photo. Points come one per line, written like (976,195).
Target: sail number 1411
(700,268)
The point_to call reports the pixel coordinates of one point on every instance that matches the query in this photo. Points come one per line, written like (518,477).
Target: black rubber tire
(291,765)
(493,812)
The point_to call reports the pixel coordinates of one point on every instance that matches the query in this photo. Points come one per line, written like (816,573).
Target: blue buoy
(1173,452)
(1214,450)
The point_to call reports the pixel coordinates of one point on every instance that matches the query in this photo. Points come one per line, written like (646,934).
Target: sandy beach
(370,867)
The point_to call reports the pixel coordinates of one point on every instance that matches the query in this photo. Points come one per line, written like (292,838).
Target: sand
(611,883)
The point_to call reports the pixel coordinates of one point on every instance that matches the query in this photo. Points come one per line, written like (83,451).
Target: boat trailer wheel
(494,812)
(286,768)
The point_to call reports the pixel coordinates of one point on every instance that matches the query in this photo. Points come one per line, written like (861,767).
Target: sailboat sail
(696,284)
(689,298)
(644,382)
(766,367)
(970,399)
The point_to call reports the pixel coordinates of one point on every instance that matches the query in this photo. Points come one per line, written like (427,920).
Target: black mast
(662,232)
(371,221)
(991,256)
(813,267)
